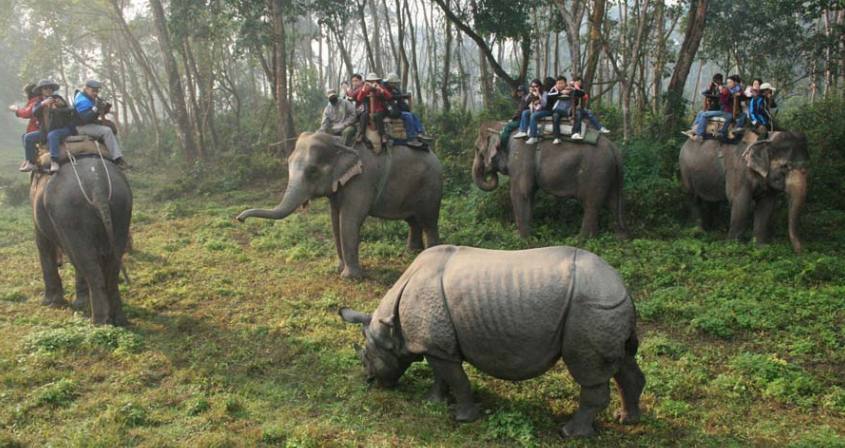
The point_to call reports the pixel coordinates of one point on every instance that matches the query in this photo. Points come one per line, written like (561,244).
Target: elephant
(84,211)
(749,175)
(593,174)
(512,315)
(404,184)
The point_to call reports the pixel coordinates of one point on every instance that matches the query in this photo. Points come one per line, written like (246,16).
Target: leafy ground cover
(235,341)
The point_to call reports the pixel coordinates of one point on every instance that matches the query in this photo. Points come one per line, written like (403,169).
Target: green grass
(235,341)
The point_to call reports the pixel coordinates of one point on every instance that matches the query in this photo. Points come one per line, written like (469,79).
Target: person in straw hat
(377,96)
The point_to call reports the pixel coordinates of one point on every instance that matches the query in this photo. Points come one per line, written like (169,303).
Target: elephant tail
(100,201)
(620,185)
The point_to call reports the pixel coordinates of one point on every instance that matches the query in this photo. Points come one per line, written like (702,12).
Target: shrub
(511,426)
(58,394)
(16,194)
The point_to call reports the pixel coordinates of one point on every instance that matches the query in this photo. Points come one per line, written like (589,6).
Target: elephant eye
(311,171)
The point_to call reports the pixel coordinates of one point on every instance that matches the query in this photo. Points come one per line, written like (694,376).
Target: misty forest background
(234,339)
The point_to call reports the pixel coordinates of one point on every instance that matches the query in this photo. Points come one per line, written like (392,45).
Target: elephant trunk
(295,196)
(487,181)
(796,189)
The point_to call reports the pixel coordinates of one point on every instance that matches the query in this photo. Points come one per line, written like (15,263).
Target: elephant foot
(81,304)
(627,418)
(571,431)
(467,412)
(340,267)
(413,248)
(436,395)
(350,273)
(54,302)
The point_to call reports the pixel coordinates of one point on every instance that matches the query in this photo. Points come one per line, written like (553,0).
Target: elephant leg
(429,222)
(415,237)
(116,315)
(740,212)
(762,217)
(616,208)
(593,400)
(336,234)
(709,215)
(89,267)
(590,222)
(53,289)
(522,201)
(630,381)
(451,372)
(350,238)
(83,294)
(697,209)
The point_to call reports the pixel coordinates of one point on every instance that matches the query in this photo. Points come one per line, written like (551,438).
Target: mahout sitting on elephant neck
(512,315)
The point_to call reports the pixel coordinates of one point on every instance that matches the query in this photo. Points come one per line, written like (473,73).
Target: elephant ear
(347,165)
(493,143)
(757,158)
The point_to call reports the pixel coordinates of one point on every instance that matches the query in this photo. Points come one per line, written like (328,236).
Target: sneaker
(557,141)
(425,138)
(54,166)
(415,143)
(520,134)
(531,141)
(698,139)
(27,166)
(604,130)
(576,136)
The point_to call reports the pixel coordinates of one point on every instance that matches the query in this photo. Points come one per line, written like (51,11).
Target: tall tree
(696,19)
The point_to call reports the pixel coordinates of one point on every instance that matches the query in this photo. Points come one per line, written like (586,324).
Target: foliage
(511,426)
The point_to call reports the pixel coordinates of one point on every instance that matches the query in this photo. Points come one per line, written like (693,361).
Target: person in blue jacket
(89,112)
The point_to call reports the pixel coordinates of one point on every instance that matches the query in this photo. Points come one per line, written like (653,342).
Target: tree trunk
(280,74)
(594,44)
(177,95)
(692,39)
(447,67)
(400,37)
(413,32)
(370,58)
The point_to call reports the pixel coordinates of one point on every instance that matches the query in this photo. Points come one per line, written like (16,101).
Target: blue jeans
(524,120)
(740,123)
(701,120)
(560,112)
(579,116)
(535,117)
(413,125)
(29,141)
(54,140)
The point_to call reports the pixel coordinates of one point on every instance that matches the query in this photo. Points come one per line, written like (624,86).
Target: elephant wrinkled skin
(407,184)
(512,315)
(593,174)
(93,235)
(749,175)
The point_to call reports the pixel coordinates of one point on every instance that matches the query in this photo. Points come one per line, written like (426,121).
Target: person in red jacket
(376,96)
(25,112)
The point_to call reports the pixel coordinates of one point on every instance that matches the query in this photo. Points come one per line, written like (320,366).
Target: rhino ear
(388,320)
(355,317)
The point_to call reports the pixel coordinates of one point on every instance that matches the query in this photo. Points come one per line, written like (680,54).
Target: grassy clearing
(235,340)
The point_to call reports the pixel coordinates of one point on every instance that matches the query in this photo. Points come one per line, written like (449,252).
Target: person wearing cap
(32,126)
(413,125)
(89,112)
(339,117)
(758,106)
(376,96)
(733,90)
(712,100)
(59,125)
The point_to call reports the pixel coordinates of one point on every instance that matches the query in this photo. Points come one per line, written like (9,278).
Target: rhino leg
(593,400)
(631,381)
(451,372)
(439,391)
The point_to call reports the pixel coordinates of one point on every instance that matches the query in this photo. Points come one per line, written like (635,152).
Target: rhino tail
(632,344)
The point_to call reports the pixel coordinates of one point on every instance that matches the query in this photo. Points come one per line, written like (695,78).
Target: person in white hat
(376,96)
(760,104)
(339,117)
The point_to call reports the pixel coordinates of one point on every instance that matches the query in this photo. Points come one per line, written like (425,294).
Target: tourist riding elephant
(84,213)
(593,174)
(749,175)
(402,183)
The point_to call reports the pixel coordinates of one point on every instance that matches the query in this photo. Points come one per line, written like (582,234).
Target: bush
(15,193)
(511,426)
(58,394)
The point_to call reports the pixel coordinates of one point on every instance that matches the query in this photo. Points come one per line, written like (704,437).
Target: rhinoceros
(511,314)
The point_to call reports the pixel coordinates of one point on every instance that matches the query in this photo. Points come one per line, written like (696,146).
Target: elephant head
(383,357)
(781,163)
(317,167)
(484,165)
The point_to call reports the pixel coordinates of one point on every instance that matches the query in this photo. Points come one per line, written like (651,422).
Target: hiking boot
(424,138)
(121,163)
(27,166)
(576,136)
(531,141)
(520,134)
(604,130)
(54,166)
(557,141)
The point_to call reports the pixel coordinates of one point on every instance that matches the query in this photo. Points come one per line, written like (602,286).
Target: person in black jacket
(56,118)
